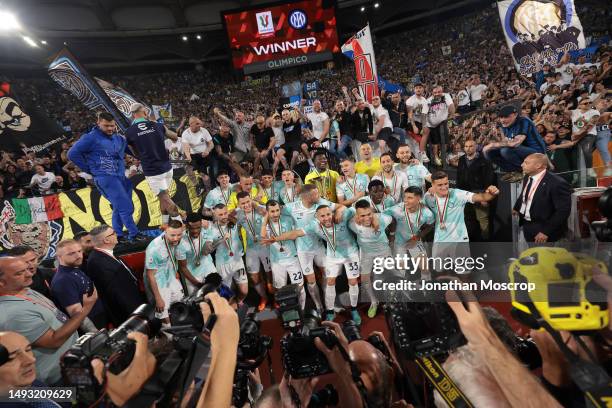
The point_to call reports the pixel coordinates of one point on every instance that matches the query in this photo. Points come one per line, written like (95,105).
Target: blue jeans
(401,133)
(118,191)
(603,138)
(339,150)
(509,158)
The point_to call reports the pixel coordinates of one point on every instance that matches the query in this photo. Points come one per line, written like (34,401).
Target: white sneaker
(424,158)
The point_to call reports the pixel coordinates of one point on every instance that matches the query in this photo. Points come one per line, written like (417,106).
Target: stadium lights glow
(376,5)
(29,41)
(43,42)
(184,38)
(199,37)
(8,22)
(362,9)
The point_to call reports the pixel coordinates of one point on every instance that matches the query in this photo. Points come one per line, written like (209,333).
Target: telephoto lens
(351,331)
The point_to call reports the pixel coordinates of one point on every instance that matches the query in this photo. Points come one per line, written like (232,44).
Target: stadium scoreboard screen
(281,35)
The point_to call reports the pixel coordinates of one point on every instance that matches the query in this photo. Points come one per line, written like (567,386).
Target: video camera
(253,348)
(423,327)
(113,348)
(565,294)
(301,358)
(187,312)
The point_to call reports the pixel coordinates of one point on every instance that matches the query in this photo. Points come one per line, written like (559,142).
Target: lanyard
(47,304)
(332,241)
(532,191)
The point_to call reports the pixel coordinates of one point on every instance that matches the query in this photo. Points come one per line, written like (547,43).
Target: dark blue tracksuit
(102,156)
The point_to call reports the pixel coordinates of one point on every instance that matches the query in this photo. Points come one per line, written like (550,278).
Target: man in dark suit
(544,203)
(117,285)
(475,173)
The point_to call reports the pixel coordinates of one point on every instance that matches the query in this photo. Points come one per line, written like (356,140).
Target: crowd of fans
(274,210)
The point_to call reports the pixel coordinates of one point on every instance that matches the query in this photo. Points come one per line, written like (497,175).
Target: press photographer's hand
(123,386)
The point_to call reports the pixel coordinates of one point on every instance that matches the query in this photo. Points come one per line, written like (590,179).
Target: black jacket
(476,177)
(116,284)
(362,125)
(550,208)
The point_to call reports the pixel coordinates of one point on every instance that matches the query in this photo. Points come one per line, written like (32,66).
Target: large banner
(24,126)
(163,112)
(538,31)
(359,48)
(41,222)
(95,93)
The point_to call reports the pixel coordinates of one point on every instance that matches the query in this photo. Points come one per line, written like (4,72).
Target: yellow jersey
(325,181)
(371,169)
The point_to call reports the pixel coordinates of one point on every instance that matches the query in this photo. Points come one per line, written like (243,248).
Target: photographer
(510,375)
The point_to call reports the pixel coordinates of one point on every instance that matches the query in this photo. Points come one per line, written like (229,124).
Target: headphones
(4,355)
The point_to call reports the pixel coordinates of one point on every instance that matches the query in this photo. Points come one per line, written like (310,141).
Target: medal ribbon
(227,241)
(289,198)
(251,228)
(226,199)
(276,234)
(331,242)
(418,221)
(198,253)
(171,255)
(393,180)
(442,214)
(354,186)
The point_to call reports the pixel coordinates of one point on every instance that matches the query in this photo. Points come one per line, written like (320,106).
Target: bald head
(376,373)
(534,164)
(20,370)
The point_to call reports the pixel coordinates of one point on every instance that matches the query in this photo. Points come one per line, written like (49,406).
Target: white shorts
(171,294)
(333,267)
(160,183)
(281,270)
(256,255)
(235,271)
(306,261)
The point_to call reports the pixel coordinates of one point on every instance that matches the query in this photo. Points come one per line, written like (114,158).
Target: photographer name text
(424,285)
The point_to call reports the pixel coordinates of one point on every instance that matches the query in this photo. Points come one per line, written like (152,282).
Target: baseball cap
(507,111)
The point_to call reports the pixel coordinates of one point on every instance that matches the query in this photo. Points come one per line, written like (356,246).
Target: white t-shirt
(43,183)
(544,87)
(463,98)
(567,73)
(379,113)
(438,109)
(476,91)
(580,120)
(175,151)
(279,136)
(419,106)
(197,141)
(317,120)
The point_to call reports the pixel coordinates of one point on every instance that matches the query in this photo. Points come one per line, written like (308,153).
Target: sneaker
(122,240)
(355,316)
(438,161)
(262,305)
(329,315)
(424,158)
(372,310)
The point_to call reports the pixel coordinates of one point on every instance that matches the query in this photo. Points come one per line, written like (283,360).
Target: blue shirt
(68,287)
(148,139)
(524,126)
(98,154)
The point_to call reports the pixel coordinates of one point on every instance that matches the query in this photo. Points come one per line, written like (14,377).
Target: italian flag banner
(37,209)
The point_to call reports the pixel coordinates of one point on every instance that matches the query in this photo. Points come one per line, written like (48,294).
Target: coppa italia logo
(265,24)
